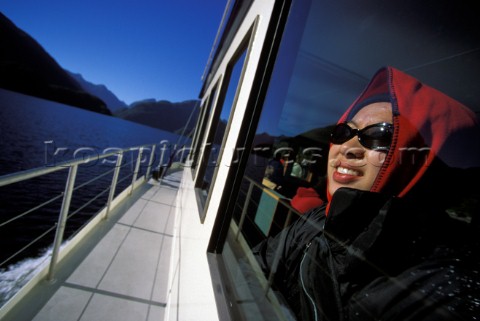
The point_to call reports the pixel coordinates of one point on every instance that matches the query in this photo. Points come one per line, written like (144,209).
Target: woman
(384,247)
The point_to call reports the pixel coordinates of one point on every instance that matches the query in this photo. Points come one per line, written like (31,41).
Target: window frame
(252,116)
(244,47)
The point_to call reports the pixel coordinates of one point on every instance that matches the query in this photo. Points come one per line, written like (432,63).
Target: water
(36,133)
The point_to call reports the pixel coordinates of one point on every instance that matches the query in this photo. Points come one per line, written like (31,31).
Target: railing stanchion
(150,162)
(245,209)
(162,154)
(62,219)
(118,165)
(160,164)
(182,154)
(137,168)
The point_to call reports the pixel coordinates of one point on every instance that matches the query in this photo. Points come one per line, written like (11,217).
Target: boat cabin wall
(229,87)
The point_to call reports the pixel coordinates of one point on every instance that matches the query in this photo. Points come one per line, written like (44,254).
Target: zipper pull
(307,246)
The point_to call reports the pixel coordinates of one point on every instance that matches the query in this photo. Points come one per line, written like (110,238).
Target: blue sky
(139,49)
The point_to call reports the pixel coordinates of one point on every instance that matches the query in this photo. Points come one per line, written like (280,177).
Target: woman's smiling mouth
(344,175)
(343,170)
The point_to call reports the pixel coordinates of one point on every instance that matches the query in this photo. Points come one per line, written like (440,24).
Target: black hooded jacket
(391,261)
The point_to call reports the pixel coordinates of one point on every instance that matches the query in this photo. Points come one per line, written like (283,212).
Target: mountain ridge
(163,114)
(101,91)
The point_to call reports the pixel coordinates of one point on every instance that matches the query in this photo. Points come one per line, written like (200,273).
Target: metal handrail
(72,166)
(51,200)
(36,172)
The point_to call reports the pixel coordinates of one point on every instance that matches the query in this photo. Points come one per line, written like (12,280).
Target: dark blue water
(36,133)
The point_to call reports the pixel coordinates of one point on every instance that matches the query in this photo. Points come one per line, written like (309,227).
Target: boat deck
(120,271)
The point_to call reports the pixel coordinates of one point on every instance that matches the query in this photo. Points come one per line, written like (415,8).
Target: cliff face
(27,68)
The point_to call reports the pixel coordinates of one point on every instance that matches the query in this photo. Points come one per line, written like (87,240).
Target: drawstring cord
(303,283)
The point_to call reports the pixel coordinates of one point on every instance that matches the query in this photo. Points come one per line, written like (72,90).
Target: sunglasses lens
(341,133)
(376,137)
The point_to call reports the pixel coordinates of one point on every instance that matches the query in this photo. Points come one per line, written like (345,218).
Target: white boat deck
(121,271)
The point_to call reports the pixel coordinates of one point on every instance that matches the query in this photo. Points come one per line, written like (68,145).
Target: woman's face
(352,165)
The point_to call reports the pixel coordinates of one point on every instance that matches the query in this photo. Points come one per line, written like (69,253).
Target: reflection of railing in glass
(264,213)
(267,209)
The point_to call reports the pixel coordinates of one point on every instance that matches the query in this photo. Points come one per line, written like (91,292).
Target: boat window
(201,127)
(220,122)
(328,52)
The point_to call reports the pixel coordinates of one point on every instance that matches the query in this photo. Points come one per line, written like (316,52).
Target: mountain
(27,68)
(162,114)
(100,91)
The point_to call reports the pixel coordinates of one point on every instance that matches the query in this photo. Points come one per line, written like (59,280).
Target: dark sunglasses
(375,137)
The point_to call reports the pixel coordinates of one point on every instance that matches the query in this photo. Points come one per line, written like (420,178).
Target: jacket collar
(351,212)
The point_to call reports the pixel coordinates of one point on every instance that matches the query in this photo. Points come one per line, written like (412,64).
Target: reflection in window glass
(329,52)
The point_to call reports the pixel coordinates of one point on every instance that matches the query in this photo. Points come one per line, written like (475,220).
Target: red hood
(428,125)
